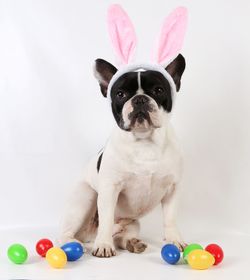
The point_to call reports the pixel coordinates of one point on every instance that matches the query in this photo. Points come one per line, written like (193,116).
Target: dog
(141,165)
(139,168)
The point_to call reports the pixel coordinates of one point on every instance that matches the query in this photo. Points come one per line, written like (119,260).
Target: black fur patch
(99,161)
(176,69)
(157,86)
(128,85)
(105,71)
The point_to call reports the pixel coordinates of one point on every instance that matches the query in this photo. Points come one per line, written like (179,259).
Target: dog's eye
(158,90)
(120,94)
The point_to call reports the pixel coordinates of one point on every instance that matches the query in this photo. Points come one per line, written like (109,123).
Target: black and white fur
(139,168)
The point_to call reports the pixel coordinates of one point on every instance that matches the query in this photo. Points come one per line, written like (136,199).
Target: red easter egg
(42,246)
(216,251)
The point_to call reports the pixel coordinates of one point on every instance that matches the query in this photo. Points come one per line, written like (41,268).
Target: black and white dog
(139,168)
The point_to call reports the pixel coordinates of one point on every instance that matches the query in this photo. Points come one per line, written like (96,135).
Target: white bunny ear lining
(123,37)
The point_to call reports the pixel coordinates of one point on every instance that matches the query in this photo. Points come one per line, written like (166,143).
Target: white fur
(138,171)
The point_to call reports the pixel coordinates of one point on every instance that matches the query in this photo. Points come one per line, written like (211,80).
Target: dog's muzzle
(141,109)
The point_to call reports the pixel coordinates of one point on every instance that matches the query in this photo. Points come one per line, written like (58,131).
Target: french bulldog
(139,168)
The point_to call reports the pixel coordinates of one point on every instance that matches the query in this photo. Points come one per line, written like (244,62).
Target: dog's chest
(142,193)
(146,173)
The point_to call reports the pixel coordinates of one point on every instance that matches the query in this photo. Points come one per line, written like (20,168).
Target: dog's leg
(127,238)
(80,210)
(106,203)
(171,232)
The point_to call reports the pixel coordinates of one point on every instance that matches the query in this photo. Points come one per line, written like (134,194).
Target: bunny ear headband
(123,38)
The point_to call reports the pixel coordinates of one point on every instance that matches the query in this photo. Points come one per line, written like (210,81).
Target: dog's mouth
(139,117)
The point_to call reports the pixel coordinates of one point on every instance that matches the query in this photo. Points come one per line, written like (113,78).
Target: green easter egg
(190,248)
(17,253)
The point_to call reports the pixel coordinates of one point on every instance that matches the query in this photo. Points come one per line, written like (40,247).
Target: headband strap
(142,67)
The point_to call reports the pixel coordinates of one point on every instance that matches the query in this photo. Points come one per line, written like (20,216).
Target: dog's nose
(140,100)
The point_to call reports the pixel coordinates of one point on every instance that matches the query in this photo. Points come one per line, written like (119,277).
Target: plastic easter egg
(42,246)
(216,251)
(170,253)
(73,250)
(56,257)
(190,248)
(200,259)
(17,253)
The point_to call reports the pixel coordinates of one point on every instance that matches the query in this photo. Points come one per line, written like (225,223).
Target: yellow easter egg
(56,257)
(200,259)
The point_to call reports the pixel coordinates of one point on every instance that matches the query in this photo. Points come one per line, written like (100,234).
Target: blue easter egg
(73,251)
(170,253)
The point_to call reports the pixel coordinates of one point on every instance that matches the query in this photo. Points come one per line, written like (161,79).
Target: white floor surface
(148,265)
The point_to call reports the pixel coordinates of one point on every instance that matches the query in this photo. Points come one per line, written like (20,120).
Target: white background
(53,116)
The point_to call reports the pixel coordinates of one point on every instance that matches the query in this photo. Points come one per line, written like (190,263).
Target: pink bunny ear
(172,35)
(122,33)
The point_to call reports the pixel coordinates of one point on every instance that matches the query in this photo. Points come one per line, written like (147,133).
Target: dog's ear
(104,71)
(176,69)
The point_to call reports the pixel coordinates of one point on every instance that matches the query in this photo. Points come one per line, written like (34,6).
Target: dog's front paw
(172,236)
(103,250)
(181,245)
